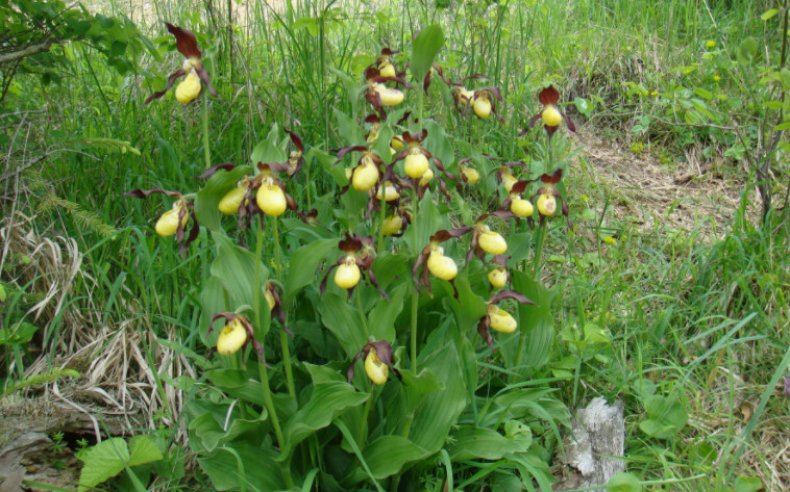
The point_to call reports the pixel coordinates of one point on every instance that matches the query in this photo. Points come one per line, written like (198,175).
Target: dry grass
(645,192)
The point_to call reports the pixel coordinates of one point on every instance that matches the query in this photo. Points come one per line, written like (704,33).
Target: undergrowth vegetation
(360,246)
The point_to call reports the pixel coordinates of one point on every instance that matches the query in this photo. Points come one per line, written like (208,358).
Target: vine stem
(287,363)
(264,374)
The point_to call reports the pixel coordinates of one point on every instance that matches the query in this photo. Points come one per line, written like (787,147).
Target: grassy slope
(666,298)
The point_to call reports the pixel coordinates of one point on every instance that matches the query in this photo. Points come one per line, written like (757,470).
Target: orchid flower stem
(289,375)
(382,217)
(206,146)
(365,414)
(536,262)
(522,341)
(264,375)
(361,310)
(415,300)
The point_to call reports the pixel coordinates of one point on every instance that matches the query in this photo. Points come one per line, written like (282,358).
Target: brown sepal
(226,166)
(549,95)
(510,294)
(171,79)
(553,178)
(138,193)
(186,42)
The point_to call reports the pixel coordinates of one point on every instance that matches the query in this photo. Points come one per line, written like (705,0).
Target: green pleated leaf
(387,456)
(243,465)
(624,482)
(344,321)
(269,150)
(305,262)
(235,268)
(327,402)
(209,196)
(471,442)
(440,409)
(535,321)
(428,43)
(382,317)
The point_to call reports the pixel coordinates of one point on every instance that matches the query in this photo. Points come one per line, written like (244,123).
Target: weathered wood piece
(594,450)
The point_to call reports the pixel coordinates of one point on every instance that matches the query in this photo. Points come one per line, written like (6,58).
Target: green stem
(264,375)
(206,147)
(522,341)
(289,375)
(536,261)
(382,218)
(365,415)
(415,300)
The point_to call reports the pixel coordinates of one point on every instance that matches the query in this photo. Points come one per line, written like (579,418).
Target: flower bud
(387,192)
(427,177)
(547,204)
(441,266)
(482,107)
(397,142)
(471,174)
(347,274)
(231,202)
(416,164)
(465,95)
(270,300)
(551,116)
(492,242)
(271,199)
(387,69)
(189,88)
(498,277)
(500,320)
(392,225)
(231,338)
(389,97)
(521,207)
(365,176)
(508,180)
(376,370)
(167,225)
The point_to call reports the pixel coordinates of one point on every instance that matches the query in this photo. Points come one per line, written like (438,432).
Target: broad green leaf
(344,321)
(440,409)
(305,262)
(102,462)
(624,482)
(381,320)
(235,268)
(142,450)
(748,484)
(768,15)
(470,307)
(387,456)
(327,163)
(327,402)
(255,468)
(471,443)
(349,129)
(209,196)
(666,416)
(748,49)
(235,383)
(535,322)
(428,43)
(269,149)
